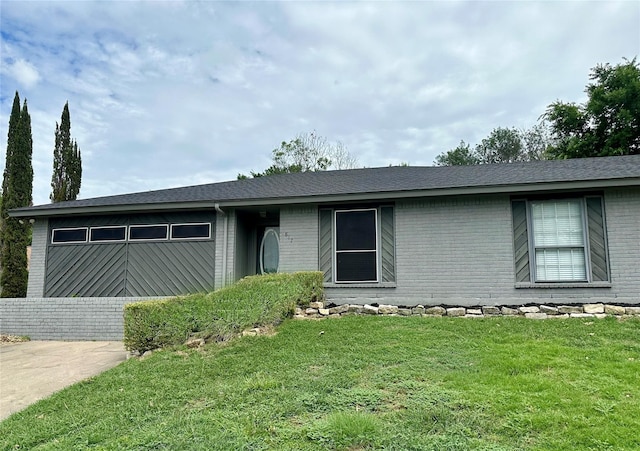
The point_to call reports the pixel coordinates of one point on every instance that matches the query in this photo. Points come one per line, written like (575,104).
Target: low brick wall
(64,318)
(320,310)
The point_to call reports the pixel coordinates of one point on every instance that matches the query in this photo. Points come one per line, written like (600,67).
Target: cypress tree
(67,162)
(17,185)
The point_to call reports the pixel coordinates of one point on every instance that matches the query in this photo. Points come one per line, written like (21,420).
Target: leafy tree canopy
(308,152)
(608,123)
(503,145)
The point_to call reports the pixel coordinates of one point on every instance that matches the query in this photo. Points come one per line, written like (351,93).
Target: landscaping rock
(593,308)
(532,309)
(600,315)
(323,311)
(549,310)
(388,309)
(437,310)
(570,309)
(311,311)
(419,310)
(508,311)
(404,311)
(316,305)
(535,315)
(354,308)
(344,308)
(491,310)
(582,315)
(456,311)
(632,310)
(613,309)
(369,310)
(474,311)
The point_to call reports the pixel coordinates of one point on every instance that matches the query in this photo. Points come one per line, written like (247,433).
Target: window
(190,231)
(75,235)
(108,233)
(148,232)
(560,240)
(356,241)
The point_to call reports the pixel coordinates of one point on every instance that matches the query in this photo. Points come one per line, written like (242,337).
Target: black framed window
(148,232)
(75,235)
(190,231)
(108,233)
(356,245)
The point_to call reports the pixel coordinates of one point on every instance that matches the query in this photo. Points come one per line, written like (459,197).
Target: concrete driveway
(33,370)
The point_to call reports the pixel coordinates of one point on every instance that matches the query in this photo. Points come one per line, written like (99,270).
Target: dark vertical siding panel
(325,244)
(597,239)
(387,239)
(520,240)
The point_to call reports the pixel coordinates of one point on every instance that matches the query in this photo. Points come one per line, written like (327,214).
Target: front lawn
(362,383)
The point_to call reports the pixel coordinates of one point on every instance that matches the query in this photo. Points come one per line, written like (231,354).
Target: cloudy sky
(166,94)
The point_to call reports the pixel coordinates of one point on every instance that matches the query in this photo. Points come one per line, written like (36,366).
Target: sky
(166,94)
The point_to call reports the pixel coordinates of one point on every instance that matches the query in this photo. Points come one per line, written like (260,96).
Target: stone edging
(320,310)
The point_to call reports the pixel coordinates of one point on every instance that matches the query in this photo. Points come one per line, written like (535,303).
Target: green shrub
(218,315)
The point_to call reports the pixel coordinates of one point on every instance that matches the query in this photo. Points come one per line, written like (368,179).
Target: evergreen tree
(67,162)
(17,185)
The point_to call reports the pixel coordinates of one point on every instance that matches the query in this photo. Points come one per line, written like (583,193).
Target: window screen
(107,233)
(148,232)
(78,235)
(356,246)
(190,231)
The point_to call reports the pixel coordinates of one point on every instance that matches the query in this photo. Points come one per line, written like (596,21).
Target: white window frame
(208,237)
(53,234)
(336,251)
(126,232)
(136,240)
(584,246)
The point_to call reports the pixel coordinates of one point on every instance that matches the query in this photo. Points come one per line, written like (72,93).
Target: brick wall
(459,251)
(299,239)
(64,318)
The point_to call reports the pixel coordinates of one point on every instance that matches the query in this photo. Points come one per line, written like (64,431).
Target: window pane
(184,231)
(156,232)
(560,264)
(107,233)
(356,230)
(557,223)
(69,235)
(356,267)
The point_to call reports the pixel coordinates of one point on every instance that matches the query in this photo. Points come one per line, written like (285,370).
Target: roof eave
(356,197)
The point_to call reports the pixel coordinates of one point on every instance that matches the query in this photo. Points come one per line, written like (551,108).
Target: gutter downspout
(224,243)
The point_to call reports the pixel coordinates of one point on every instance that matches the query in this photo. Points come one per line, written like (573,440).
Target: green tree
(17,185)
(608,123)
(503,145)
(461,155)
(308,152)
(67,162)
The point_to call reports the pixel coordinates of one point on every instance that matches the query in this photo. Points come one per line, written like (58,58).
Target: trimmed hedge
(218,315)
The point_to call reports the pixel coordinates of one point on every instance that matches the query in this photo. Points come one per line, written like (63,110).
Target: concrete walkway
(33,370)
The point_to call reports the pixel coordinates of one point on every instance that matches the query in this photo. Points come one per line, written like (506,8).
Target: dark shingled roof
(396,181)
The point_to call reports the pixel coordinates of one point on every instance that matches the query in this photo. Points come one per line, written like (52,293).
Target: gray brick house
(552,232)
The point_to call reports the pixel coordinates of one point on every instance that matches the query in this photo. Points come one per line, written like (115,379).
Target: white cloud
(23,72)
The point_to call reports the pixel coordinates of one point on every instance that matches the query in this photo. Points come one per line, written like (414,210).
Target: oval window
(269,252)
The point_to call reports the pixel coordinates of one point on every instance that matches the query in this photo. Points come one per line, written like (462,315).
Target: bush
(251,302)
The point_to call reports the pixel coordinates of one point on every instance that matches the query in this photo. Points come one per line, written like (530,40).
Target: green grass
(359,383)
